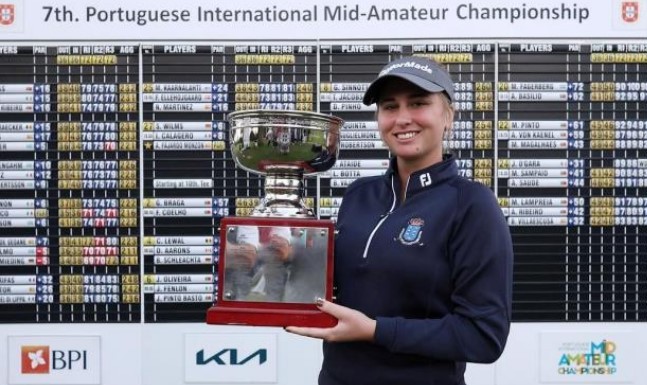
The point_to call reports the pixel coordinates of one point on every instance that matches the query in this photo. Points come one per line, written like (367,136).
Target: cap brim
(373,91)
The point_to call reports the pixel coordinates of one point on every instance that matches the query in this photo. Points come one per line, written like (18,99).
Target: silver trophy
(275,263)
(285,147)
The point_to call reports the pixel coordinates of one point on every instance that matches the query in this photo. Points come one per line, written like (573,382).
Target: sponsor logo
(7,14)
(42,359)
(630,11)
(59,360)
(34,359)
(230,358)
(425,180)
(408,64)
(597,359)
(588,358)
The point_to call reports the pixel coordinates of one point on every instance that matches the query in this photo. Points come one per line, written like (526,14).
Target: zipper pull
(386,214)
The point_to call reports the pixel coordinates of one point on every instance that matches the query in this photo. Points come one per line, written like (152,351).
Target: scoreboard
(115,168)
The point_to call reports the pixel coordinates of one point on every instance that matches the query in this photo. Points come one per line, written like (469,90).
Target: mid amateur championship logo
(588,359)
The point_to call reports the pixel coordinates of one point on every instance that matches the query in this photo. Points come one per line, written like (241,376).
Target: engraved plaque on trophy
(276,262)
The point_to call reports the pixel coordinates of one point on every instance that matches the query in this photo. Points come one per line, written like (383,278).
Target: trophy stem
(284,186)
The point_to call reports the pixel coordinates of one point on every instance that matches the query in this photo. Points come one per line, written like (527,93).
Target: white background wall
(156,354)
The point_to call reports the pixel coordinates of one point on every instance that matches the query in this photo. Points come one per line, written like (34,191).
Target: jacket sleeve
(481,256)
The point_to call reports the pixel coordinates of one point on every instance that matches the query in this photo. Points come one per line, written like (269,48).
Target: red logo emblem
(34,359)
(630,11)
(7,14)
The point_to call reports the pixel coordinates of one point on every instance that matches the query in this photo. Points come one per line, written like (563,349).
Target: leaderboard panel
(69,185)
(89,179)
(190,179)
(347,70)
(571,178)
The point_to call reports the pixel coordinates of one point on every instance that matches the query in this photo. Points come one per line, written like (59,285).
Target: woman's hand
(352,326)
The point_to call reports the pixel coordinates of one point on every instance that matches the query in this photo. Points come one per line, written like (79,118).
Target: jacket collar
(425,178)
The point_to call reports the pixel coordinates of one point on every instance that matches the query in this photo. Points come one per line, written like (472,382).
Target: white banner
(308,19)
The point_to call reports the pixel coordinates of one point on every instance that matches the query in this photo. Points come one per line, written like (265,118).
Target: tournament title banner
(307,19)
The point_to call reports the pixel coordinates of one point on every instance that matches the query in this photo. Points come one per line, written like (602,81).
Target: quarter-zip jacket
(435,271)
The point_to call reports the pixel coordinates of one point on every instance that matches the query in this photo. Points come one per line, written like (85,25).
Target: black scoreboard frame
(109,211)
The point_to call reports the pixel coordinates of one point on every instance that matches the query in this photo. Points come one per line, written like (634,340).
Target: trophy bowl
(284,146)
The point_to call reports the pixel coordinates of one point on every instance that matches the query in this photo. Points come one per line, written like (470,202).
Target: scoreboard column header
(375,19)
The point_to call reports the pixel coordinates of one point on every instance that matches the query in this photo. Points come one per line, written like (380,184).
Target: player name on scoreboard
(24,98)
(182,250)
(26,289)
(542,173)
(186,207)
(180,287)
(543,211)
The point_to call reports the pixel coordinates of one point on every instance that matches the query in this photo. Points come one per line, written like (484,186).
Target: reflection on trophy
(275,263)
(284,146)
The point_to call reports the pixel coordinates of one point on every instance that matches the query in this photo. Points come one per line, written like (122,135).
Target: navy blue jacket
(435,271)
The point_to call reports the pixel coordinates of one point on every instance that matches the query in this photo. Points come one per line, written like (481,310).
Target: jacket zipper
(377,226)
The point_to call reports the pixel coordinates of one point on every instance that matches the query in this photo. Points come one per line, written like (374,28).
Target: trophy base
(219,315)
(276,289)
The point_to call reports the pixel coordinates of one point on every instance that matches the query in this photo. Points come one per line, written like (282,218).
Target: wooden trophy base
(276,289)
(222,315)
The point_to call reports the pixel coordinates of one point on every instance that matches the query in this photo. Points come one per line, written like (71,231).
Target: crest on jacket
(412,232)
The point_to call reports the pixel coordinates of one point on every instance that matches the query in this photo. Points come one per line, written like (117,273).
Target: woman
(423,257)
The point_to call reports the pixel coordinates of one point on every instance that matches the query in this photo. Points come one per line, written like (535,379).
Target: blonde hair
(449,121)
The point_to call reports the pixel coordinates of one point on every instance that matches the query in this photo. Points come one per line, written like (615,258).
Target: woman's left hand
(352,326)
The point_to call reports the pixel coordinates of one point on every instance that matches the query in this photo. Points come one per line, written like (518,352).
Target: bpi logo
(630,11)
(60,360)
(34,359)
(7,14)
(38,360)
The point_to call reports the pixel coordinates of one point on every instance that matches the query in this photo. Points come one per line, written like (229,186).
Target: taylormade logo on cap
(408,64)
(421,72)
